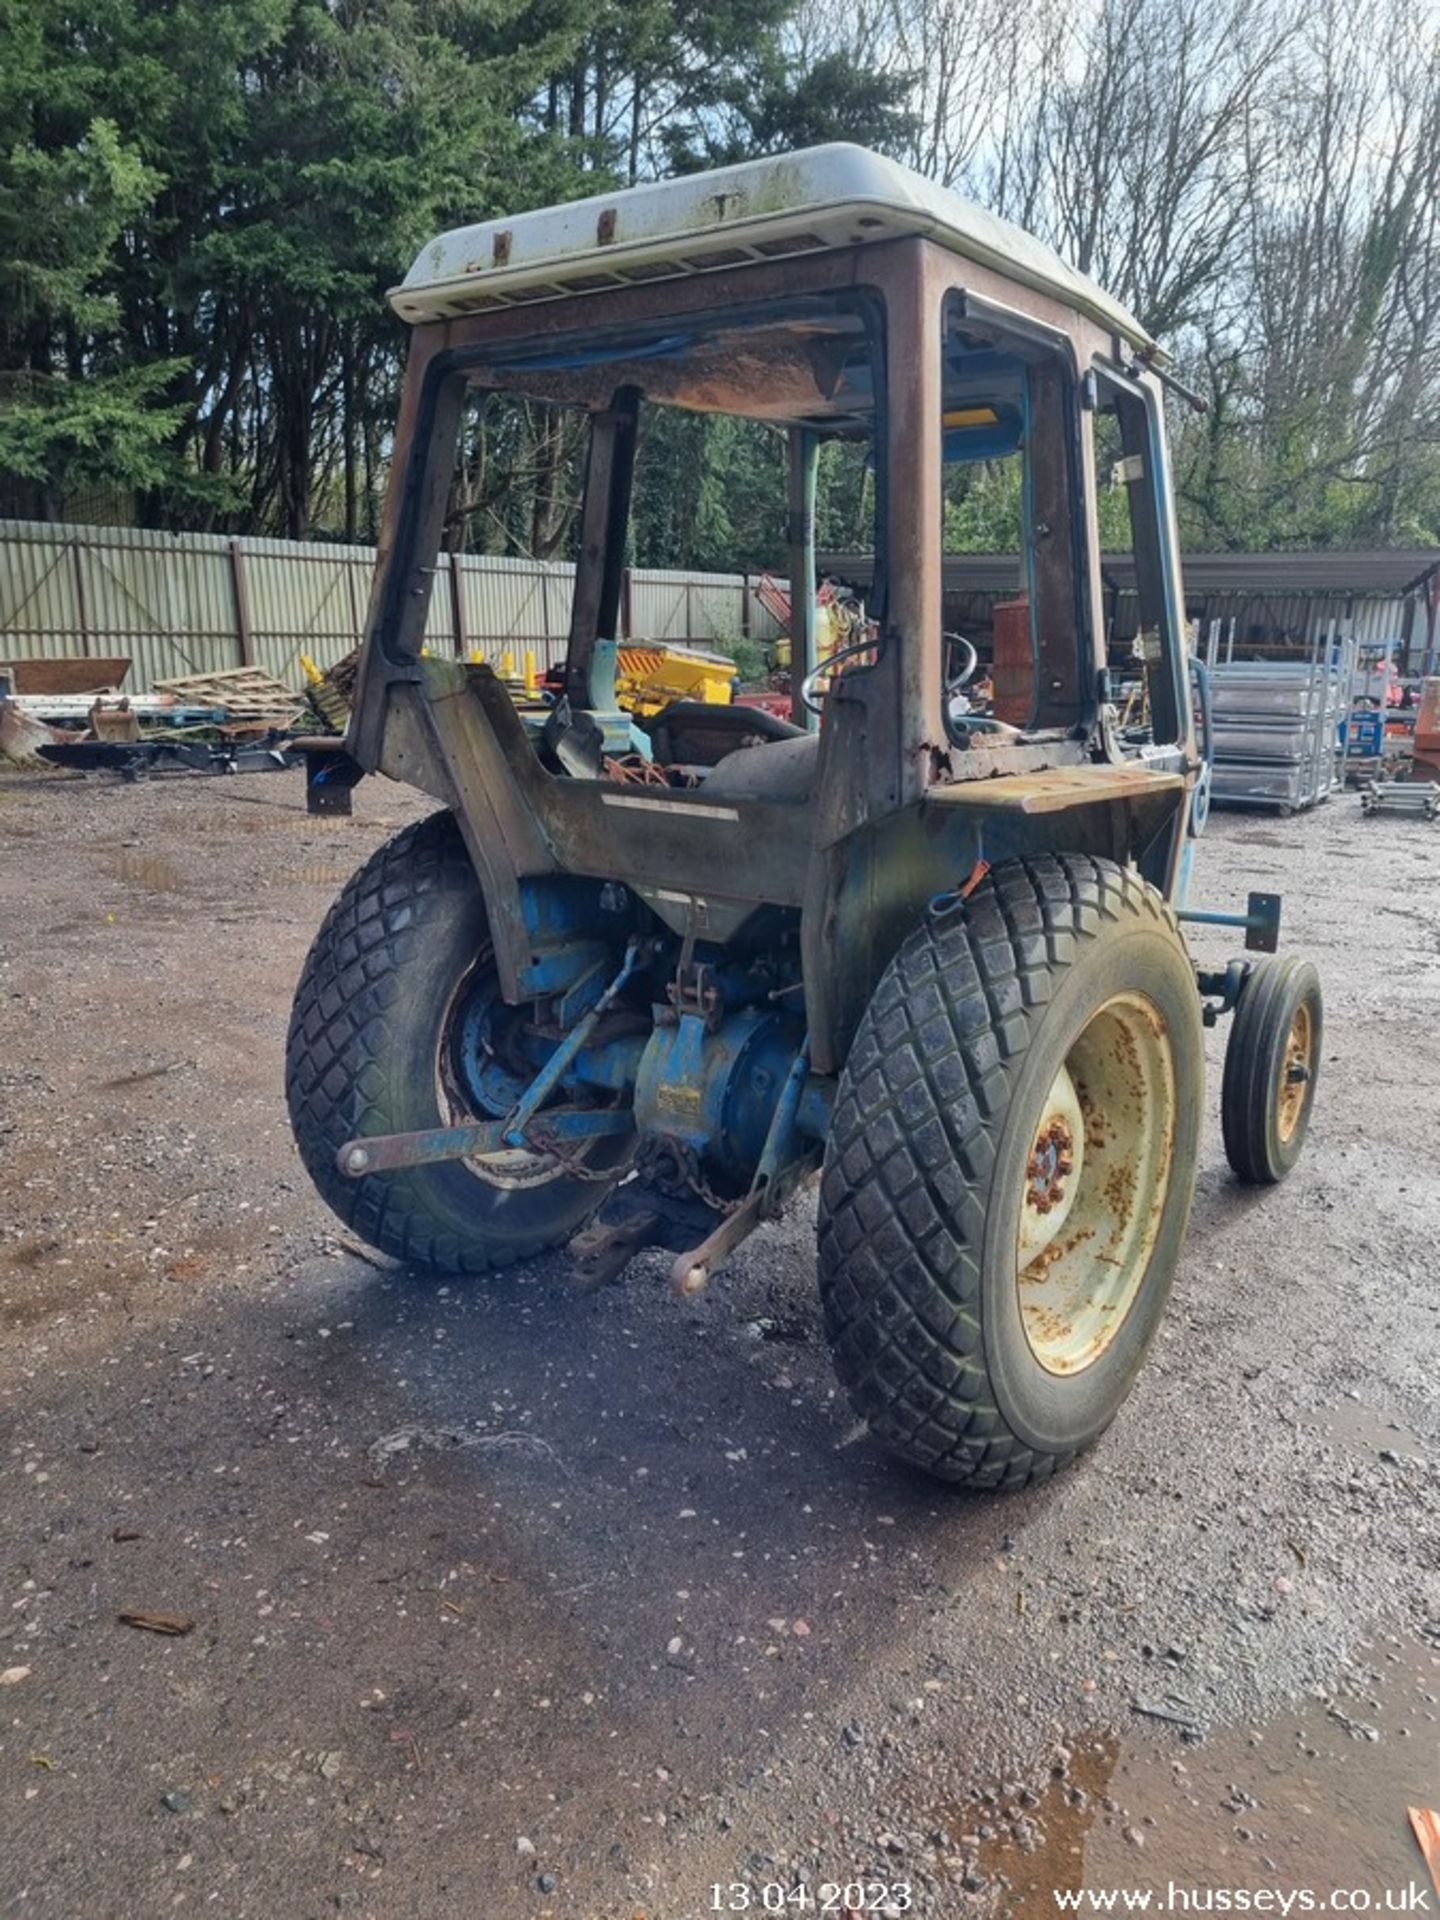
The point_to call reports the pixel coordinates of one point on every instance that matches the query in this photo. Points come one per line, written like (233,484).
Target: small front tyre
(1272,1063)
(1010,1169)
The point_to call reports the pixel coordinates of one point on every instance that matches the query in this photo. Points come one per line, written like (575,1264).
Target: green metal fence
(196,603)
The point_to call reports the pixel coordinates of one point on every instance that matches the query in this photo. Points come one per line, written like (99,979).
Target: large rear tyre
(398,1025)
(1272,1064)
(1010,1169)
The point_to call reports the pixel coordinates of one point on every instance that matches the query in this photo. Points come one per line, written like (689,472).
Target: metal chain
(686,1175)
(548,1145)
(708,1194)
(686,1163)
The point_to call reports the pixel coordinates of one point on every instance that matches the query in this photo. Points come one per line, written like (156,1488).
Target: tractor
(634,987)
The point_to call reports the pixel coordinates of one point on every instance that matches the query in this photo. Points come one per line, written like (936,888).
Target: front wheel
(398,1026)
(1010,1169)
(1272,1062)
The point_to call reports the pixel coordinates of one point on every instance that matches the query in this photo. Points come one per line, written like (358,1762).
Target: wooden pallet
(246,693)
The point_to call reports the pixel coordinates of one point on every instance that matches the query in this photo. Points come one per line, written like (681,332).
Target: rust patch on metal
(1119,1188)
(1096,1135)
(1130,1057)
(1059,1249)
(1046,1325)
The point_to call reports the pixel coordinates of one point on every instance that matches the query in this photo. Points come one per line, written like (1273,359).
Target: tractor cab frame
(890,804)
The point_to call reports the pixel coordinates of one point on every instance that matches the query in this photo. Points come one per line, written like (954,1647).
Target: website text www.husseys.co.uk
(1246,1900)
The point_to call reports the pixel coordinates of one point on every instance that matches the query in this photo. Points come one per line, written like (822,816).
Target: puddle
(1311,1801)
(1362,1428)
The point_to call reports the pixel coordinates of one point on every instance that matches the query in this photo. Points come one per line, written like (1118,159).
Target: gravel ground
(518,1602)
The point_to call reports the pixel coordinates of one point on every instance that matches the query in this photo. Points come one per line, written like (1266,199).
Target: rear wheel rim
(467,1091)
(1298,1071)
(1098,1173)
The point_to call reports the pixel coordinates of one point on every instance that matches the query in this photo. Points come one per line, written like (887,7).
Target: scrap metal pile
(73,714)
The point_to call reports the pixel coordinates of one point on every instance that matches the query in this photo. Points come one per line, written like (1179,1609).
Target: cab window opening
(1015,659)
(1126,433)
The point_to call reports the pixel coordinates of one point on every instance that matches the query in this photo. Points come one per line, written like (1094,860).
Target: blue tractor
(634,988)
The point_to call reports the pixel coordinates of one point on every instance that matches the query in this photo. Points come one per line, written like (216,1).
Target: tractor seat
(695,733)
(782,769)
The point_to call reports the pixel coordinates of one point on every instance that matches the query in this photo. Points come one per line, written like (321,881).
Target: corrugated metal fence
(197,603)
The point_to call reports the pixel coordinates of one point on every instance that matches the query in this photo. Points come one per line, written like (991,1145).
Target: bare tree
(1259,183)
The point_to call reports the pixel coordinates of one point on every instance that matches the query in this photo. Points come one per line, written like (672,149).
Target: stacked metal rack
(1277,738)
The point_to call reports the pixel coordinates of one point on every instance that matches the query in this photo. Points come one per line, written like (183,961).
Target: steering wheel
(809,686)
(954,684)
(827,669)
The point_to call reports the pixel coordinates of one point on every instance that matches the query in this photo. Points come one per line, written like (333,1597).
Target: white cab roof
(831,196)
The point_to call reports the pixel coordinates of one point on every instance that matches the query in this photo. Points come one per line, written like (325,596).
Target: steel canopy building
(1265,602)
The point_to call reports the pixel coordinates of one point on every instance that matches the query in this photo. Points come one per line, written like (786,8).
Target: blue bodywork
(726,1080)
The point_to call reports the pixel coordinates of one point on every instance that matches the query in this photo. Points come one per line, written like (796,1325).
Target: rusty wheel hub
(1096,1178)
(1052,1173)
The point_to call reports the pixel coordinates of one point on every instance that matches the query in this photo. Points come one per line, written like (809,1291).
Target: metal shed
(1270,605)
